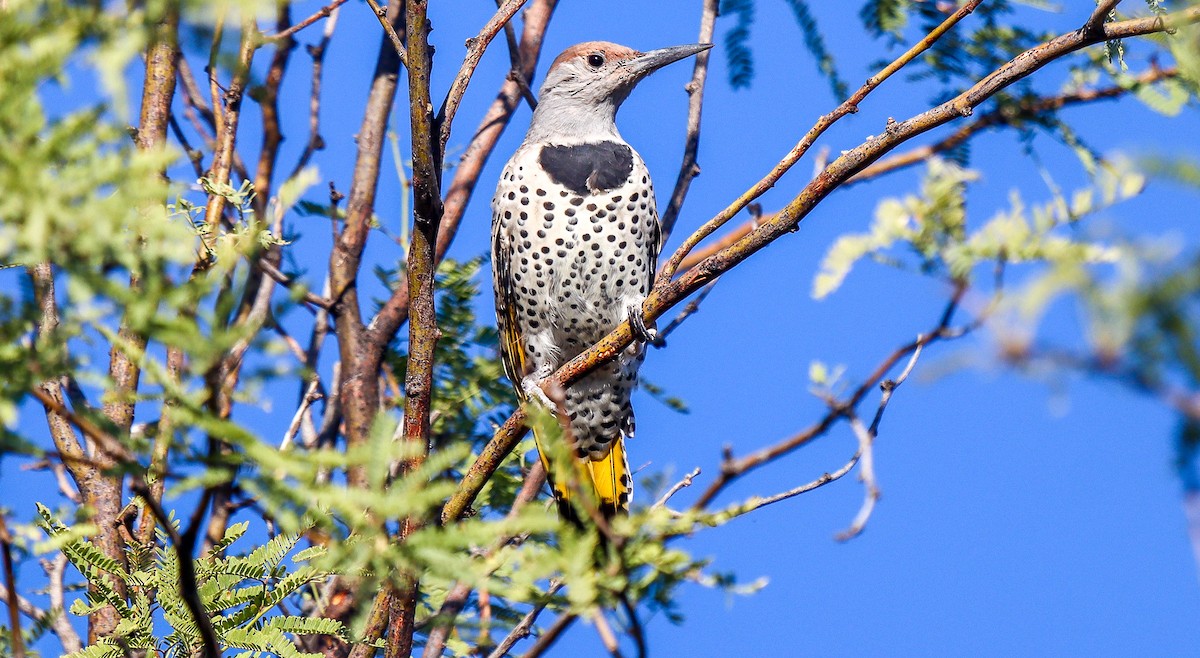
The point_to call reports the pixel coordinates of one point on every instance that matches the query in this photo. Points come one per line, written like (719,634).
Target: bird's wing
(512,352)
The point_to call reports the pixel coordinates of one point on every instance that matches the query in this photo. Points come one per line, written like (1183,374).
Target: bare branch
(227,121)
(688,169)
(525,627)
(11,597)
(606,634)
(360,354)
(306,295)
(850,106)
(866,473)
(65,441)
(329,10)
(732,468)
(317,53)
(60,625)
(161,448)
(310,396)
(392,35)
(1005,116)
(825,479)
(678,486)
(475,48)
(549,636)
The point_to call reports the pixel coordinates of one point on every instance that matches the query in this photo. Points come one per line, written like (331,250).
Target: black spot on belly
(588,168)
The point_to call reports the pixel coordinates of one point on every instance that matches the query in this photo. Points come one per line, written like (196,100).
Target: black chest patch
(587,168)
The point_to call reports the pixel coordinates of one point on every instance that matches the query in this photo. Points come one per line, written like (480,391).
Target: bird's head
(589,81)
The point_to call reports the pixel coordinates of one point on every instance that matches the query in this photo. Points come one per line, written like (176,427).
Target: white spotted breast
(577,231)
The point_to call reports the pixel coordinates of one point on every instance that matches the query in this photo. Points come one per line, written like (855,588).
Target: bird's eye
(595,60)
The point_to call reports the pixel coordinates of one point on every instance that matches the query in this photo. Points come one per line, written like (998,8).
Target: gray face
(594,76)
(598,72)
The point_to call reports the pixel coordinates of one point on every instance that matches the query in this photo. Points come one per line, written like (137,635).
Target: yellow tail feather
(609,480)
(612,481)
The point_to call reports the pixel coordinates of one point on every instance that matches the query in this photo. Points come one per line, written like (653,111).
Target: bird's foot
(535,392)
(640,331)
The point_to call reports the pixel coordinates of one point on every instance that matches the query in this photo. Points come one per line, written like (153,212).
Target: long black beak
(647,63)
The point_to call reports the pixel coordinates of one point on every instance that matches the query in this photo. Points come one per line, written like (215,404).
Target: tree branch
(850,106)
(1011,115)
(421,270)
(523,629)
(667,294)
(393,35)
(317,53)
(15,604)
(475,49)
(688,169)
(329,10)
(732,468)
(394,312)
(227,123)
(360,354)
(184,545)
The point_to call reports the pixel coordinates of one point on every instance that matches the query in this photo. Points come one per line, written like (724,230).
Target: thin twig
(317,53)
(525,627)
(689,310)
(606,634)
(549,636)
(311,396)
(397,43)
(685,482)
(688,169)
(732,468)
(825,479)
(306,295)
(329,10)
(227,121)
(849,106)
(15,637)
(514,57)
(475,49)
(866,473)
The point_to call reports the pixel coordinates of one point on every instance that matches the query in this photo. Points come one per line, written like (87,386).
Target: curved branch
(668,294)
(475,48)
(850,106)
(1006,116)
(327,10)
(1025,109)
(688,169)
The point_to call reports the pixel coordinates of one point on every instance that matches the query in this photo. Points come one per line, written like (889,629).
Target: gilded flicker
(575,240)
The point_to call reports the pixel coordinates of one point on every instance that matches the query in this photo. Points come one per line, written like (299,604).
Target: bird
(575,242)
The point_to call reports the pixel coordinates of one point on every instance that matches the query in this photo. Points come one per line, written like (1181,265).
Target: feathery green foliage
(139,269)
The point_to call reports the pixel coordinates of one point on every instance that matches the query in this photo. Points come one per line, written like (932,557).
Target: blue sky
(1018,516)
